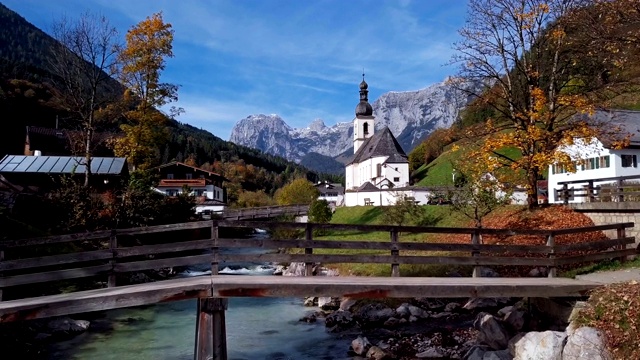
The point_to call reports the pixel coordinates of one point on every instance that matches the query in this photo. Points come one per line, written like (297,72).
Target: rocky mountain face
(410,115)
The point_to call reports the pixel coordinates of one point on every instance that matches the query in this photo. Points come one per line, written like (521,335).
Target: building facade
(379,164)
(599,159)
(205,185)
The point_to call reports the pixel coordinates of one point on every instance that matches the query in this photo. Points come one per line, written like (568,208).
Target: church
(378,173)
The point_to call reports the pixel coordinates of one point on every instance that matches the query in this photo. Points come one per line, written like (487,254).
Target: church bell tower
(364,121)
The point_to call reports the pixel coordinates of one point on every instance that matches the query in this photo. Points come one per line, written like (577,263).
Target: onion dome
(364,108)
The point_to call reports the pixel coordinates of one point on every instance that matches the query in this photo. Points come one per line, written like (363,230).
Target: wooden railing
(611,189)
(107,254)
(265,212)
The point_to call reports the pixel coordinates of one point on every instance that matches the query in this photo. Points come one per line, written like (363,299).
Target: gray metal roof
(61,165)
(615,125)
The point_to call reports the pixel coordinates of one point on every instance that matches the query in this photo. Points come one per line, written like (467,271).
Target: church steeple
(364,120)
(364,108)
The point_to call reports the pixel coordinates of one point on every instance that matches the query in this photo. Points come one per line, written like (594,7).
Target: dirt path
(613,276)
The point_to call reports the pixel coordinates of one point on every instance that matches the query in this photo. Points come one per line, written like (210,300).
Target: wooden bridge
(263,212)
(31,268)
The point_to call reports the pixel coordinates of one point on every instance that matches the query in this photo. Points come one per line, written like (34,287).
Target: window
(396,179)
(189,176)
(629,161)
(365,129)
(199,192)
(169,176)
(379,170)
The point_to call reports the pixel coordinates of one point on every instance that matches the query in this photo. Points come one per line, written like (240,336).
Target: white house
(205,185)
(331,192)
(598,160)
(379,166)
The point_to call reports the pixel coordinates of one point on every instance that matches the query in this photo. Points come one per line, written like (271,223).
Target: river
(257,328)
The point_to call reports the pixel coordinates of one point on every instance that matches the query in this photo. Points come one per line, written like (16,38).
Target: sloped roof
(173,163)
(61,165)
(382,143)
(616,124)
(367,186)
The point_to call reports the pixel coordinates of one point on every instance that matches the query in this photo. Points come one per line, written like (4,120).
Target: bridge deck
(278,286)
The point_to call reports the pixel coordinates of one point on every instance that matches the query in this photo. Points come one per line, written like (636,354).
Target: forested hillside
(30,96)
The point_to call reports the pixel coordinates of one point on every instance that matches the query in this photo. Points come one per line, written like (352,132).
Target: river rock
(347,303)
(360,345)
(328,303)
(535,345)
(585,343)
(294,269)
(475,304)
(391,322)
(309,317)
(539,271)
(497,355)
(376,353)
(339,320)
(310,301)
(403,310)
(431,353)
(475,352)
(67,326)
(417,312)
(452,307)
(431,304)
(554,310)
(515,319)
(374,313)
(487,272)
(491,331)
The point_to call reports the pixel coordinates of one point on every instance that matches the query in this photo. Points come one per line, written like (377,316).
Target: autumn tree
(521,48)
(298,191)
(320,211)
(143,59)
(83,60)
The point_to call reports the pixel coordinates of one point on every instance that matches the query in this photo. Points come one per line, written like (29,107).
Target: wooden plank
(54,275)
(387,287)
(165,228)
(380,228)
(591,228)
(386,259)
(381,245)
(55,260)
(595,245)
(8,244)
(594,257)
(123,252)
(284,286)
(105,299)
(162,263)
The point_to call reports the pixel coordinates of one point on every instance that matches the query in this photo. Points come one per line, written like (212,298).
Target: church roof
(367,186)
(382,143)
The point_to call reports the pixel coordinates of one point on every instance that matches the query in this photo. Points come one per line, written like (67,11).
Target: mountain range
(410,115)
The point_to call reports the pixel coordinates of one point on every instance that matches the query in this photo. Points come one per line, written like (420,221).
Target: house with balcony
(205,185)
(331,192)
(599,159)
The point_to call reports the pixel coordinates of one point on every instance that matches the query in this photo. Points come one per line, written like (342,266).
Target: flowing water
(257,328)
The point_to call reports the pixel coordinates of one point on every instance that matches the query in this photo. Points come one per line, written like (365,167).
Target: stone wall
(604,213)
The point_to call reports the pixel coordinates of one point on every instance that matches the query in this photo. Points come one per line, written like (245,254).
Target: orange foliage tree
(148,44)
(524,50)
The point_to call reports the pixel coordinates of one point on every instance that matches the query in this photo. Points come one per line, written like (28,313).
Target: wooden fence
(107,254)
(265,212)
(611,189)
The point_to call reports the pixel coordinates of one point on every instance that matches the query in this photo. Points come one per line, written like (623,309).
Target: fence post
(395,267)
(590,191)
(113,245)
(565,194)
(619,190)
(551,255)
(214,248)
(475,240)
(211,332)
(308,235)
(621,232)
(1,258)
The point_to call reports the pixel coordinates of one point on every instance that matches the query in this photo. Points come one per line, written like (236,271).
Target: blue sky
(300,59)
